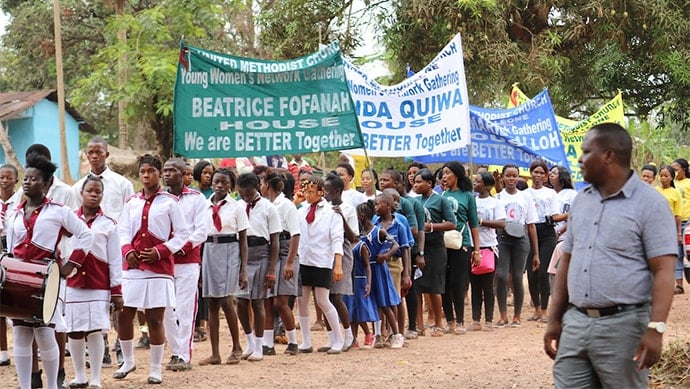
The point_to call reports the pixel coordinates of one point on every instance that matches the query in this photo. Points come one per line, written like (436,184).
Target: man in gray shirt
(616,273)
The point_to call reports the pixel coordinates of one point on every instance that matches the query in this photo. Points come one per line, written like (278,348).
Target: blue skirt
(362,309)
(382,289)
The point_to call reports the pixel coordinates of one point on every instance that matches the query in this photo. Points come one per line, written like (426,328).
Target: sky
(3,21)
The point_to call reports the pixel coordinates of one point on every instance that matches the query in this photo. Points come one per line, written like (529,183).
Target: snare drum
(29,290)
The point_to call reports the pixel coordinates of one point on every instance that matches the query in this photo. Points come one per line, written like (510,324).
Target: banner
(517,136)
(227,106)
(573,132)
(426,113)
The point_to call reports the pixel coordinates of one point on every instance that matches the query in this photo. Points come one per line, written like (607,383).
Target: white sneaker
(247,353)
(256,356)
(397,341)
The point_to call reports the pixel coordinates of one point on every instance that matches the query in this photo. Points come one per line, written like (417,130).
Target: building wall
(40,125)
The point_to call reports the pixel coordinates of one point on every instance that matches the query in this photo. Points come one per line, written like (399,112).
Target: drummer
(33,233)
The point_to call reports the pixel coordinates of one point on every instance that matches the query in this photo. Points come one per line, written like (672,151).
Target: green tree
(581,50)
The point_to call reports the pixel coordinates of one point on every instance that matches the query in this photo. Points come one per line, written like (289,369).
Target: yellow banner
(573,131)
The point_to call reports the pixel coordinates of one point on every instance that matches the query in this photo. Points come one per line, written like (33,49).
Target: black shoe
(174,360)
(107,361)
(291,349)
(61,379)
(6,362)
(144,342)
(306,350)
(120,358)
(269,350)
(118,375)
(36,380)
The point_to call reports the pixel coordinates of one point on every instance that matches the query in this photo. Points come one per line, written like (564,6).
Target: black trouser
(538,280)
(482,290)
(411,301)
(457,278)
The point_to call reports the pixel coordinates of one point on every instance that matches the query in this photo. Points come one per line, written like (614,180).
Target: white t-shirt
(545,201)
(489,208)
(565,198)
(353,197)
(519,207)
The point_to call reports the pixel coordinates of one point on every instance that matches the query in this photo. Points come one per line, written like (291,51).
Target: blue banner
(516,135)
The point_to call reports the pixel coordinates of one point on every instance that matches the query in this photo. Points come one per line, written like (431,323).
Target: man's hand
(649,350)
(289,271)
(552,337)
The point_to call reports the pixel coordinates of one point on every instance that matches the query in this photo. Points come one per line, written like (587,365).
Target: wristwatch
(658,326)
(421,253)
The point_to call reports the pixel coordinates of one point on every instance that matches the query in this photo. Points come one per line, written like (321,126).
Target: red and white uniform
(38,238)
(116,190)
(179,321)
(153,222)
(88,294)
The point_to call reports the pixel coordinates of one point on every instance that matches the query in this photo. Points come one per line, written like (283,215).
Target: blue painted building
(32,117)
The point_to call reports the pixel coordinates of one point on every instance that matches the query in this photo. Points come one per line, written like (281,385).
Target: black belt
(284,235)
(608,311)
(221,238)
(256,241)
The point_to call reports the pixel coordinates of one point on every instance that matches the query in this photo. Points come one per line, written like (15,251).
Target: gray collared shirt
(611,241)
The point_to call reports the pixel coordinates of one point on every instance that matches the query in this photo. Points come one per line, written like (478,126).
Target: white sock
(97,346)
(292,336)
(306,333)
(269,340)
(259,345)
(23,337)
(377,327)
(332,317)
(76,349)
(50,354)
(127,348)
(4,355)
(330,338)
(250,343)
(156,360)
(348,336)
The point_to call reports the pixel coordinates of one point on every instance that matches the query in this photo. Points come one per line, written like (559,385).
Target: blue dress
(362,309)
(382,288)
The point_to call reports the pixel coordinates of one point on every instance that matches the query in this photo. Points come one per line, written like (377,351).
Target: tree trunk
(122,77)
(64,161)
(10,155)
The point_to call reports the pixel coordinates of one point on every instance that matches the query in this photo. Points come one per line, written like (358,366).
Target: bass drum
(29,289)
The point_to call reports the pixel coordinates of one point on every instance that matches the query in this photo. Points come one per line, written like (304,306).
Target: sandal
(200,335)
(234,359)
(209,361)
(533,318)
(437,331)
(679,290)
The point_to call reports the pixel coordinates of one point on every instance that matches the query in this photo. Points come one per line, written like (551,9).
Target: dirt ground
(504,358)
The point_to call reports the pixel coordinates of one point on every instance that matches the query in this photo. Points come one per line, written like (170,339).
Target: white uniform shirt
(232,217)
(193,206)
(263,219)
(350,215)
(106,246)
(289,217)
(323,238)
(12,203)
(353,197)
(116,190)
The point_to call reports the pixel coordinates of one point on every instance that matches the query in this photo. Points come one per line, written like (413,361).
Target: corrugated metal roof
(12,104)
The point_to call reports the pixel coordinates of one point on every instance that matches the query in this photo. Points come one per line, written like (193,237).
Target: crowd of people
(255,239)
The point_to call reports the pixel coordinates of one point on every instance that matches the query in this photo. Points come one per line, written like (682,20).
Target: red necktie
(216,215)
(311,214)
(252,204)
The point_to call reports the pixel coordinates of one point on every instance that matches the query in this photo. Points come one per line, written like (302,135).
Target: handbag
(514,229)
(487,263)
(453,239)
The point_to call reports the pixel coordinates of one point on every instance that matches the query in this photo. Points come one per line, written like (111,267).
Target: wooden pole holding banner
(66,176)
